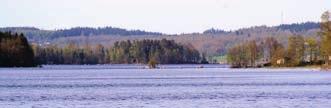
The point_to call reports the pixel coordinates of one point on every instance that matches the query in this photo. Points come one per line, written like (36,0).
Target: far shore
(162,66)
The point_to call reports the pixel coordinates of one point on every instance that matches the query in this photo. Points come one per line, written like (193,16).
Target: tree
(100,53)
(152,64)
(238,56)
(326,37)
(312,49)
(204,60)
(278,56)
(252,52)
(295,51)
(15,51)
(233,56)
(271,46)
(68,53)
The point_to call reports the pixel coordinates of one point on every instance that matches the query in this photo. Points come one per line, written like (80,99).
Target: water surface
(175,86)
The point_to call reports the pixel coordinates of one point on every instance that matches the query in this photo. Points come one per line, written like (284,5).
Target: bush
(152,64)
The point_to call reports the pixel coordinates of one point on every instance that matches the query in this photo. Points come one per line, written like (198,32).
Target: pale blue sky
(168,16)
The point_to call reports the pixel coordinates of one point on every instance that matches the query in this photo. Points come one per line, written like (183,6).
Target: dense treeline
(123,52)
(298,52)
(162,51)
(15,51)
(70,54)
(213,42)
(214,31)
(244,55)
(35,34)
(300,27)
(294,28)
(87,31)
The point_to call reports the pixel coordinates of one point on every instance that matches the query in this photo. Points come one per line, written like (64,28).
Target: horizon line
(128,29)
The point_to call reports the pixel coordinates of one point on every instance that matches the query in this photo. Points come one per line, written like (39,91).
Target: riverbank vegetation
(299,51)
(15,51)
(279,46)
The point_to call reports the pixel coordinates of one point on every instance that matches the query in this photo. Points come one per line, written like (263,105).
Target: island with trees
(122,52)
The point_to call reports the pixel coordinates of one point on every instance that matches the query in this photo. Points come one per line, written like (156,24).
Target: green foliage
(123,52)
(37,34)
(15,51)
(238,56)
(164,51)
(70,54)
(219,59)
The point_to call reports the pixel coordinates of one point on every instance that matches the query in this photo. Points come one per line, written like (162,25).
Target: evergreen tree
(15,51)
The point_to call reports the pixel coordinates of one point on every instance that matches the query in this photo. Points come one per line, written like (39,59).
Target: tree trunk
(327,61)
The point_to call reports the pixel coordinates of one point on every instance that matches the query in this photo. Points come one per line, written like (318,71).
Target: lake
(171,86)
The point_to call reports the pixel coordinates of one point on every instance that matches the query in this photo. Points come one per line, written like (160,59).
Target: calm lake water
(171,86)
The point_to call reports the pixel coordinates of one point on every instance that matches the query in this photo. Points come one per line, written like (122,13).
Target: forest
(299,51)
(35,34)
(123,52)
(298,44)
(15,51)
(212,42)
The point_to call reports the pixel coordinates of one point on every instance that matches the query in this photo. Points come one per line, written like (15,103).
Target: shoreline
(160,67)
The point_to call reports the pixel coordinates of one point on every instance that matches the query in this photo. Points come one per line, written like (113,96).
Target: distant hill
(35,34)
(212,41)
(301,27)
(294,28)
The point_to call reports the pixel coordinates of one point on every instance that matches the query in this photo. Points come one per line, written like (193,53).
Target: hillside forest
(284,45)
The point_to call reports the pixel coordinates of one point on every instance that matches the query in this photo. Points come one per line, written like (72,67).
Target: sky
(166,16)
